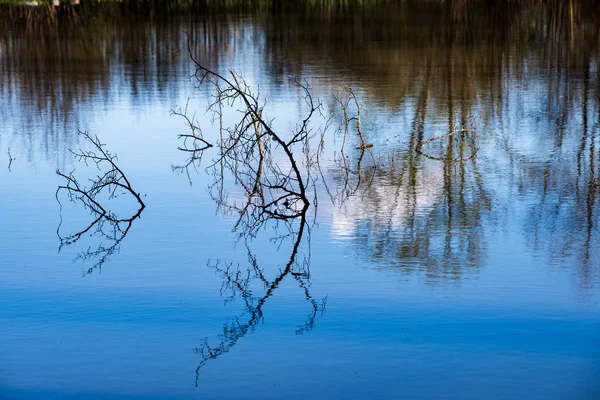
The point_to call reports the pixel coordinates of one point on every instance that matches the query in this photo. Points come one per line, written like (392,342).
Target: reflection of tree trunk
(571,24)
(462,145)
(416,138)
(592,187)
(591,200)
(449,152)
(584,136)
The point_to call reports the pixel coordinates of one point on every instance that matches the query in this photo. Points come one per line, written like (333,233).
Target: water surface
(414,277)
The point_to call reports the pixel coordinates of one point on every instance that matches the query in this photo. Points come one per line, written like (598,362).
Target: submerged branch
(471,132)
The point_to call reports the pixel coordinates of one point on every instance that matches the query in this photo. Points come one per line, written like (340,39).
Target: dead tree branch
(272,176)
(248,147)
(110,180)
(349,178)
(109,183)
(466,136)
(345,99)
(193,143)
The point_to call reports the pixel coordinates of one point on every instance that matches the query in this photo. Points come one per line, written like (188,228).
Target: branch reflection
(247,282)
(271,185)
(106,186)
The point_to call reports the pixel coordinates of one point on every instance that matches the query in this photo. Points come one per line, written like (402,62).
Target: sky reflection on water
(441,280)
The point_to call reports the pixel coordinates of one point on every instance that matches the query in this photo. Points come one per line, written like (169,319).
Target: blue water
(432,280)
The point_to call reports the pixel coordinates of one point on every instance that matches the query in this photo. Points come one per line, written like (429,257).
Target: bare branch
(351,177)
(247,148)
(112,182)
(468,135)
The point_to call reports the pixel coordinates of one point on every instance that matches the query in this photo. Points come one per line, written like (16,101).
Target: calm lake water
(411,276)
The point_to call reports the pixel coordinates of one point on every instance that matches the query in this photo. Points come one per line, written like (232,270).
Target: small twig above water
(196,132)
(10,159)
(193,143)
(344,99)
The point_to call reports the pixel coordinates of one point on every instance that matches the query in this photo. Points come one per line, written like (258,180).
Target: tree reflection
(106,232)
(433,216)
(63,71)
(564,188)
(422,213)
(527,73)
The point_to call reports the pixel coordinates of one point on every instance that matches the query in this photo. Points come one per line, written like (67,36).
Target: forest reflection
(525,77)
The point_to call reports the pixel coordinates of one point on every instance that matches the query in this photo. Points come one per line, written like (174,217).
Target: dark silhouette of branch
(110,181)
(273,172)
(193,143)
(196,134)
(247,147)
(10,159)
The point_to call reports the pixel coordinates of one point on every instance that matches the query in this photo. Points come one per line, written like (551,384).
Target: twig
(419,148)
(10,159)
